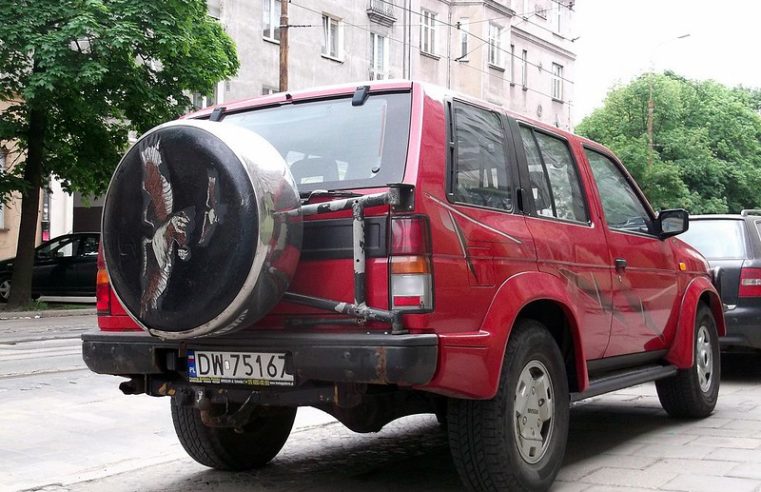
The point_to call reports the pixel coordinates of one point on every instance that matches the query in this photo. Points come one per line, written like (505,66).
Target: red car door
(570,242)
(643,267)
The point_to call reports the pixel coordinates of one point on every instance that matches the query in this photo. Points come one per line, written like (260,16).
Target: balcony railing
(381,12)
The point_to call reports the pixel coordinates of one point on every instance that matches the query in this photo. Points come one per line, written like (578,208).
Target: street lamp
(650,102)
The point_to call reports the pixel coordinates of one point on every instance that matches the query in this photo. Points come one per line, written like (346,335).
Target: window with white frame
(512,64)
(464,27)
(332,37)
(271,20)
(557,82)
(379,54)
(524,69)
(267,90)
(556,15)
(496,52)
(428,32)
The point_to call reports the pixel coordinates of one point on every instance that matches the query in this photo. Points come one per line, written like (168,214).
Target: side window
(553,176)
(621,204)
(480,174)
(89,246)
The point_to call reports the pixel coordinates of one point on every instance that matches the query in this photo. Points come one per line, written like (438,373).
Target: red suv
(386,250)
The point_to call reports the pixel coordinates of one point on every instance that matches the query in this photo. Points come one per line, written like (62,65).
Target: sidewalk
(46,313)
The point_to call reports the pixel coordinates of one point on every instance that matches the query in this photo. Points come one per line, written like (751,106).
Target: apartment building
(515,53)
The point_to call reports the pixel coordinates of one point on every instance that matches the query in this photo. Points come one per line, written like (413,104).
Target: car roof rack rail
(750,211)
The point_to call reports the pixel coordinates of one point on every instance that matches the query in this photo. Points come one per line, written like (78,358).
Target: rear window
(716,239)
(331,144)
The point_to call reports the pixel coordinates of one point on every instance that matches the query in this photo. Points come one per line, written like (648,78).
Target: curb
(47,313)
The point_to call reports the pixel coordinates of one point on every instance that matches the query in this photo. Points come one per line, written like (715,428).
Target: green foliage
(707,141)
(97,69)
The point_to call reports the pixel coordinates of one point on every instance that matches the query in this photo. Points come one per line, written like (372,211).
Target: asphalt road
(63,428)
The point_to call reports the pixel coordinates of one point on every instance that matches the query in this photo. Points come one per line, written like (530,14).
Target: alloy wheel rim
(533,419)
(5,289)
(704,358)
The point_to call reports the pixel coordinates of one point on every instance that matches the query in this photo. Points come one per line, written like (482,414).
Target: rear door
(54,266)
(570,242)
(85,266)
(644,272)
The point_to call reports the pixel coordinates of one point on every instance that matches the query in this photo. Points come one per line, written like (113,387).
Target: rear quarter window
(717,239)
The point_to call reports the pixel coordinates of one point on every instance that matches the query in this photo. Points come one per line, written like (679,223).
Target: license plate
(253,368)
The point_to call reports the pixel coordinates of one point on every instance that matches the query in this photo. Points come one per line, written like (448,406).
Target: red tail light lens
(410,236)
(411,276)
(750,282)
(102,286)
(111,314)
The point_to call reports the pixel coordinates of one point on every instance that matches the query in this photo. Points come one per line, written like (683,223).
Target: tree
(707,141)
(81,74)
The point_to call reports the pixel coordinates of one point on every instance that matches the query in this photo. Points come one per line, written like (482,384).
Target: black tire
(484,440)
(692,393)
(224,448)
(5,289)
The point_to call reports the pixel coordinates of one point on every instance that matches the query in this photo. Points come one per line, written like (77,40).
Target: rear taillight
(411,274)
(102,286)
(750,282)
(111,314)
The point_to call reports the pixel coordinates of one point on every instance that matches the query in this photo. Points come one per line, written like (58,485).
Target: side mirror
(672,222)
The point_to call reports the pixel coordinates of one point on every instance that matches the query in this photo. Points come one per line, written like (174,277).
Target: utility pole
(650,110)
(651,102)
(284,45)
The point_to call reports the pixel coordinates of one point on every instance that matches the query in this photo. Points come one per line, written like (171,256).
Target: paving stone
(691,451)
(624,477)
(706,483)
(704,466)
(577,470)
(737,455)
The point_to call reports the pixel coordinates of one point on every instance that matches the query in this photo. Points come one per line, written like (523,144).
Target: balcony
(381,12)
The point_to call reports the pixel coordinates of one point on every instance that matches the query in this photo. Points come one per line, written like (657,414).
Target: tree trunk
(21,281)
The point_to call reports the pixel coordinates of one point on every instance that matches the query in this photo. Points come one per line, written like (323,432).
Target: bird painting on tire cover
(171,229)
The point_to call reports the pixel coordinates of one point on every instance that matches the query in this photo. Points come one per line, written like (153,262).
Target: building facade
(514,53)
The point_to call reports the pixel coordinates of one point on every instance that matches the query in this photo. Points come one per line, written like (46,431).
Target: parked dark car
(732,246)
(63,266)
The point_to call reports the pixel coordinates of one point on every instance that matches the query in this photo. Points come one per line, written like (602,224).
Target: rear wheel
(692,393)
(5,289)
(515,441)
(225,448)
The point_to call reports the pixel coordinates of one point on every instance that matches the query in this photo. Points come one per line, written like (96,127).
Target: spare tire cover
(201,229)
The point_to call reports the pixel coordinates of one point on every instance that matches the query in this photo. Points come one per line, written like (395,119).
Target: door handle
(620,265)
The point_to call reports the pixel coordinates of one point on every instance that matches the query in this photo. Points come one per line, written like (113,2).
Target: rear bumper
(332,357)
(743,327)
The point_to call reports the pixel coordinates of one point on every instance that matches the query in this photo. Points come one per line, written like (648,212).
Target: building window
(557,82)
(379,53)
(524,69)
(201,101)
(331,37)
(556,16)
(271,20)
(464,26)
(512,64)
(428,33)
(266,90)
(496,53)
